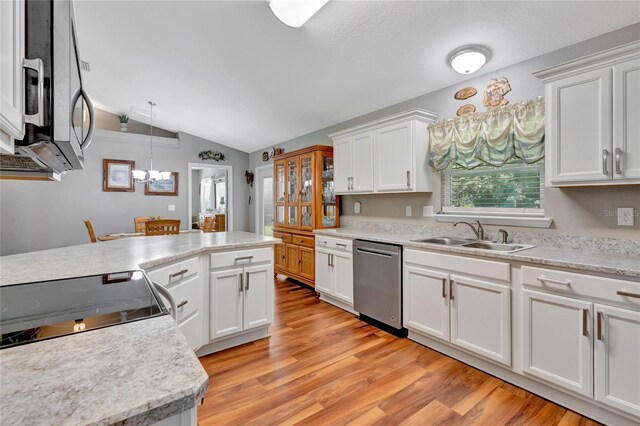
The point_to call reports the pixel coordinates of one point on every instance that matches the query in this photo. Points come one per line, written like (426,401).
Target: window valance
(491,137)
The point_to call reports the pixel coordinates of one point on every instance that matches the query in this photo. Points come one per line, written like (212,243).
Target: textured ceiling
(232,73)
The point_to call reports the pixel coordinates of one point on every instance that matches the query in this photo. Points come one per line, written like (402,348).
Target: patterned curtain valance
(490,137)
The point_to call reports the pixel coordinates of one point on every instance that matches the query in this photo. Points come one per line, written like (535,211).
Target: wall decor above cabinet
(593,131)
(384,156)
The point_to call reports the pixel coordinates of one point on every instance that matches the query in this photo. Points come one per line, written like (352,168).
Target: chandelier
(151,175)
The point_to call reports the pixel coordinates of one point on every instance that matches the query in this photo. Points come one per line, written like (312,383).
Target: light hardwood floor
(323,366)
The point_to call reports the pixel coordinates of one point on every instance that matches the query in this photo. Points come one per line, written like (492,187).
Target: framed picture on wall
(117,176)
(163,187)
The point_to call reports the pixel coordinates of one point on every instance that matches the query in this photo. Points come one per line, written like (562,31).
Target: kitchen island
(143,372)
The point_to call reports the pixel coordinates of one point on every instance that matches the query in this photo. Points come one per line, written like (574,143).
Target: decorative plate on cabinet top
(465,93)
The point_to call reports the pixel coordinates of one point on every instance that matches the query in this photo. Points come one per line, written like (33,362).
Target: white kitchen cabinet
(394,157)
(592,130)
(353,163)
(626,125)
(258,297)
(225,302)
(426,301)
(334,271)
(481,317)
(386,155)
(12,27)
(617,358)
(558,340)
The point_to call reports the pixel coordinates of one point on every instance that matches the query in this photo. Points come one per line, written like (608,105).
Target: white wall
(43,215)
(578,211)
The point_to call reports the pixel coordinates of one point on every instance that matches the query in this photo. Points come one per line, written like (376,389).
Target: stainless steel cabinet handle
(627,294)
(241,280)
(38,66)
(247,285)
(328,259)
(408,179)
(451,289)
(585,317)
(544,279)
(618,156)
(444,290)
(179,273)
(341,245)
(181,304)
(244,258)
(599,332)
(333,260)
(605,162)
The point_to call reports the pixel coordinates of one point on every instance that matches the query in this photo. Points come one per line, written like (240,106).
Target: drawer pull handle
(179,273)
(181,304)
(585,317)
(244,258)
(544,279)
(444,289)
(341,245)
(627,294)
(599,333)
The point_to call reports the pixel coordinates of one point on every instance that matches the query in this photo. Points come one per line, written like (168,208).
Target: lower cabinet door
(280,256)
(343,276)
(324,272)
(306,262)
(225,302)
(617,358)
(292,258)
(258,296)
(481,317)
(191,327)
(557,340)
(426,301)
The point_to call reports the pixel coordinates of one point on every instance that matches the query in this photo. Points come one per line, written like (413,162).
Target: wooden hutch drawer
(303,241)
(284,237)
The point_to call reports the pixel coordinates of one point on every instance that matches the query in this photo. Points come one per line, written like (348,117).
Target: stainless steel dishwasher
(377,284)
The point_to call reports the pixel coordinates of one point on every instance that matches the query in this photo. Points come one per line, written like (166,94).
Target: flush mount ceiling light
(295,13)
(468,59)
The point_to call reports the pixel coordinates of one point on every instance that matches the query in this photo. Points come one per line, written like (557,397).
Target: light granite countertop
(590,261)
(136,373)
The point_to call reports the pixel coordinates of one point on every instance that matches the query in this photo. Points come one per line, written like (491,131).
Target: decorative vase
(123,127)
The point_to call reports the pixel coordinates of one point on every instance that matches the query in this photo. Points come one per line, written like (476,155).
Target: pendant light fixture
(468,59)
(151,175)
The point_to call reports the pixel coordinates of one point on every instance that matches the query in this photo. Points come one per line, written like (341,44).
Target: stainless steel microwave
(59,115)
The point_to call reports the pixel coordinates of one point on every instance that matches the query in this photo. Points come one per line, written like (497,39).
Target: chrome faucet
(479,232)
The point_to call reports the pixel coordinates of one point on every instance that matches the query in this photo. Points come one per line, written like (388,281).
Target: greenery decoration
(211,155)
(124,118)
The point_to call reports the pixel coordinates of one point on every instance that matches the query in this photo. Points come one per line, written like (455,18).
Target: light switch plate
(357,207)
(172,207)
(407,211)
(625,216)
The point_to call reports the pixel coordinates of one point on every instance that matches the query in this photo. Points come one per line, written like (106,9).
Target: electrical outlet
(357,206)
(407,211)
(172,207)
(625,216)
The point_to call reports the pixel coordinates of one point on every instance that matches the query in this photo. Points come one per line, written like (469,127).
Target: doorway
(264,200)
(210,195)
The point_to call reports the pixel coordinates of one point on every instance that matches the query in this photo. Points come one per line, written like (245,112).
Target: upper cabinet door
(617,358)
(579,110)
(626,122)
(394,160)
(558,341)
(362,168)
(342,165)
(11,75)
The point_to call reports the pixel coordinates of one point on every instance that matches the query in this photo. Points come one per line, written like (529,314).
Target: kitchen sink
(483,245)
(488,245)
(444,241)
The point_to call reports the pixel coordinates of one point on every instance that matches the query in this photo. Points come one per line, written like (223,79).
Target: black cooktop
(36,311)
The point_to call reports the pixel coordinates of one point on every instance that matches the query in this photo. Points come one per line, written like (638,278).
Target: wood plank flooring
(323,366)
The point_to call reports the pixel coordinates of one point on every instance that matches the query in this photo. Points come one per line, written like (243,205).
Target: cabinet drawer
(334,243)
(582,285)
(466,265)
(172,274)
(192,330)
(303,241)
(284,237)
(188,296)
(240,258)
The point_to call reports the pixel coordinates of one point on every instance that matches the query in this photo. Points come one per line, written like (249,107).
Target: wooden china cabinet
(304,200)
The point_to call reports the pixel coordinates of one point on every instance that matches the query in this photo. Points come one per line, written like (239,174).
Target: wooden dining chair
(138,223)
(162,227)
(207,225)
(92,235)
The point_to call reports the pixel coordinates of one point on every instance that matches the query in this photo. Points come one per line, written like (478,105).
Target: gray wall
(583,211)
(43,215)
(108,121)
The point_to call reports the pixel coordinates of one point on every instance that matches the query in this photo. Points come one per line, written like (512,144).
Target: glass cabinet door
(306,192)
(279,192)
(328,198)
(293,192)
